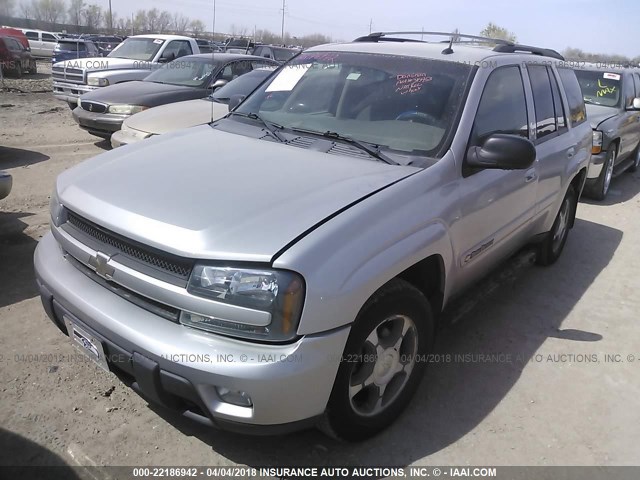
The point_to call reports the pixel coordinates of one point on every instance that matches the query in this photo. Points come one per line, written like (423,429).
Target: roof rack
(382,37)
(502,46)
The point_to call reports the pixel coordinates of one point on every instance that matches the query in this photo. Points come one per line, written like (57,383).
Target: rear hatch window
(63,46)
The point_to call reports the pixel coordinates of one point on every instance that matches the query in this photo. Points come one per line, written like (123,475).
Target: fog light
(242,399)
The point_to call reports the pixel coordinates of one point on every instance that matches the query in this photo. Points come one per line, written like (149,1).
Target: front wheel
(600,187)
(382,363)
(551,247)
(636,163)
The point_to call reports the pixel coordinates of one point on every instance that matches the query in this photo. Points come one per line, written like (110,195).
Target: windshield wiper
(270,126)
(372,150)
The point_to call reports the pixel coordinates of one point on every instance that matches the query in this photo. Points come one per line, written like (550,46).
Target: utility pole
(422,35)
(283,7)
(110,18)
(370,25)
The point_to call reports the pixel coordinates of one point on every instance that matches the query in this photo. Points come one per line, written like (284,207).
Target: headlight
(55,208)
(139,134)
(597,142)
(97,82)
(126,109)
(280,293)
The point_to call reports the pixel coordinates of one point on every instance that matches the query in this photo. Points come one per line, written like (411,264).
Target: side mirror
(503,152)
(221,82)
(166,58)
(235,100)
(636,104)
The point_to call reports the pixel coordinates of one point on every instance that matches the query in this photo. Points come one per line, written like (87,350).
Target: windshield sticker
(158,41)
(411,82)
(611,76)
(353,76)
(604,90)
(288,78)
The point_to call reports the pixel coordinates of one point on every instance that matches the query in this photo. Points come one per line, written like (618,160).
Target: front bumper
(595,167)
(69,92)
(6,182)
(125,137)
(100,124)
(180,368)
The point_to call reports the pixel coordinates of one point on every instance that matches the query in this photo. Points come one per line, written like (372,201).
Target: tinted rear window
(577,111)
(71,46)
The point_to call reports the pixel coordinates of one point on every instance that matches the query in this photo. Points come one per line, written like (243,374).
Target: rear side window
(503,106)
(47,37)
(577,110)
(542,100)
(32,35)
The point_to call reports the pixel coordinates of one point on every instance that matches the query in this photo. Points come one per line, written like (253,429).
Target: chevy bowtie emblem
(101,266)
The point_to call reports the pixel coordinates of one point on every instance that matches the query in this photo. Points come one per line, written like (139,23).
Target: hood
(175,116)
(101,63)
(203,193)
(149,94)
(599,113)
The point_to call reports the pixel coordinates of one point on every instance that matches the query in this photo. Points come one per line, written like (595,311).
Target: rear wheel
(17,71)
(382,363)
(33,68)
(551,248)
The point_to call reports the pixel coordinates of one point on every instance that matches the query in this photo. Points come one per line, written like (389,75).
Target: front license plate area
(86,343)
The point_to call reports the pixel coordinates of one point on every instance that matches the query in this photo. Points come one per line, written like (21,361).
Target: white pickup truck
(133,59)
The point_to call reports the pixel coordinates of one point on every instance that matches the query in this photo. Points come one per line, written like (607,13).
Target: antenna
(448,50)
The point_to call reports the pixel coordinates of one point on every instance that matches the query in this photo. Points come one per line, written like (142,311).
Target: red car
(15,58)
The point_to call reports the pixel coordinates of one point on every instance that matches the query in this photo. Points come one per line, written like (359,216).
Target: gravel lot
(551,398)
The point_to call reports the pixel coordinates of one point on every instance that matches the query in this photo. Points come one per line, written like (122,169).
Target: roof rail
(515,47)
(382,37)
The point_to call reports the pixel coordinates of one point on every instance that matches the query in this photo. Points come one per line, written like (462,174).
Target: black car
(102,111)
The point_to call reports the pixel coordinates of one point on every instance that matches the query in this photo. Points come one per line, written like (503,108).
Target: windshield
(187,73)
(243,85)
(600,88)
(63,46)
(143,49)
(406,104)
(283,54)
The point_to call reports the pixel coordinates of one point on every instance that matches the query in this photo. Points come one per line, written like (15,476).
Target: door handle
(530,176)
(571,152)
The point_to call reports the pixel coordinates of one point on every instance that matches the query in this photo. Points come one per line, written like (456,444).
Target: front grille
(168,263)
(72,75)
(93,106)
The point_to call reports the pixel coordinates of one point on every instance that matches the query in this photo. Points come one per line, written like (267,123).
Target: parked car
(6,182)
(102,112)
(133,59)
(207,46)
(15,59)
(284,266)
(190,113)
(106,44)
(281,54)
(17,34)
(42,43)
(70,49)
(612,97)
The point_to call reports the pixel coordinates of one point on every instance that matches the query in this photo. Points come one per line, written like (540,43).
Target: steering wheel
(418,117)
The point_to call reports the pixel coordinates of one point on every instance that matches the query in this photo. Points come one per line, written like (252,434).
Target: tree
(26,11)
(93,16)
(52,11)
(6,7)
(180,23)
(110,21)
(197,26)
(75,12)
(140,21)
(164,21)
(494,31)
(152,20)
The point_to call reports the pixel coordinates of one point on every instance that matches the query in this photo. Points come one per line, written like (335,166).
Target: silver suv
(285,266)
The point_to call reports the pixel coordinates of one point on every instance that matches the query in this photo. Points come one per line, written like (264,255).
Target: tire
(551,247)
(636,164)
(599,189)
(17,71)
(72,105)
(33,69)
(374,385)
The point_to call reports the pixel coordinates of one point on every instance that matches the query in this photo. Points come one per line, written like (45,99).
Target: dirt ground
(522,375)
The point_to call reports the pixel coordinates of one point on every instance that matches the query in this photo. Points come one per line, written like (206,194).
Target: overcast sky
(604,26)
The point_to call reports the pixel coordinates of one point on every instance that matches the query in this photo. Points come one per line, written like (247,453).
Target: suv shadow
(17,157)
(16,260)
(511,312)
